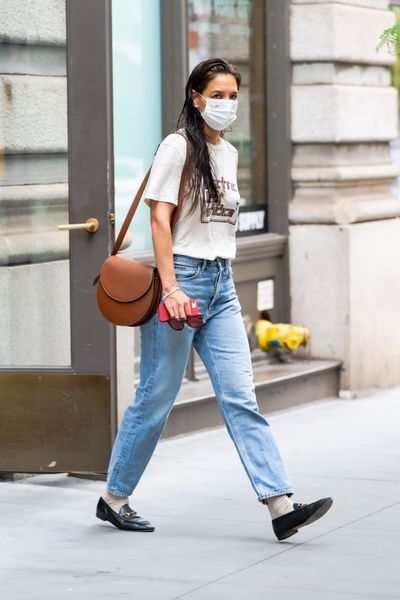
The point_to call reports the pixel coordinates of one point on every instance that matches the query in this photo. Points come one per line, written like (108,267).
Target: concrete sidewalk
(213,540)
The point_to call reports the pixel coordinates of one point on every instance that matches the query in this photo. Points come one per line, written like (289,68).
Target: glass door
(56,220)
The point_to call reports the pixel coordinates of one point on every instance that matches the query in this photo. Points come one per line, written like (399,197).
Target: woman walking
(195,262)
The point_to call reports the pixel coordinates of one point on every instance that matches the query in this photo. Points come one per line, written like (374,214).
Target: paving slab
(213,539)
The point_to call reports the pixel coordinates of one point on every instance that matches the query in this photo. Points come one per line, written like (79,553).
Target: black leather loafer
(303,514)
(125,518)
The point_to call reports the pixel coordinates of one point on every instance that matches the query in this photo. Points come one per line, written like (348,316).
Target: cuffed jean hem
(264,499)
(118,493)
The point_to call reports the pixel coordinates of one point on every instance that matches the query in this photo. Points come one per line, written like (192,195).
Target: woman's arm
(160,217)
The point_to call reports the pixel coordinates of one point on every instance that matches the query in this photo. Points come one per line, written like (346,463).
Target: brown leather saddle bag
(129,291)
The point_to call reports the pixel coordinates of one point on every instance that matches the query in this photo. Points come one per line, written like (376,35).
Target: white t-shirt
(206,233)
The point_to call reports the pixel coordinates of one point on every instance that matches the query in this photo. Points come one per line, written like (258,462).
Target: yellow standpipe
(280,335)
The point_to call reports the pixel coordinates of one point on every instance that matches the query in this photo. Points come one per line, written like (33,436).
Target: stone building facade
(344,220)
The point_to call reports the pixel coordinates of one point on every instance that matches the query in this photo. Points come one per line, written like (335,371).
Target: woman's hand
(177,304)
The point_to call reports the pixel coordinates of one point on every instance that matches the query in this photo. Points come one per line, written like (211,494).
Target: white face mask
(219,114)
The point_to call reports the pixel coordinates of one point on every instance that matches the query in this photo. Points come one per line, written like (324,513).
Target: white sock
(279,505)
(115,502)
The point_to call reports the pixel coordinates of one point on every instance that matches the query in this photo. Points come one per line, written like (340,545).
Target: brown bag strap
(139,193)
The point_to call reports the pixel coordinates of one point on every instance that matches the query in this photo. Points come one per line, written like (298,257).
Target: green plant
(390,39)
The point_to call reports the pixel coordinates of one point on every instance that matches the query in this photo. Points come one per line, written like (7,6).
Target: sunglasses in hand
(194,320)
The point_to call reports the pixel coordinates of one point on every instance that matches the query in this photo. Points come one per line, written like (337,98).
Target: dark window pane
(234,30)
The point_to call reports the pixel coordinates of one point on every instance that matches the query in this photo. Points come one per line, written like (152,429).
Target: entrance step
(278,386)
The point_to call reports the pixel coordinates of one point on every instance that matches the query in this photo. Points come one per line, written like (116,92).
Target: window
(234,30)
(137,107)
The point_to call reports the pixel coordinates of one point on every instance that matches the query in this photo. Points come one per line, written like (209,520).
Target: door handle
(92,225)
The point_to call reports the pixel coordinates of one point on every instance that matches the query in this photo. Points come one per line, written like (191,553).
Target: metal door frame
(85,392)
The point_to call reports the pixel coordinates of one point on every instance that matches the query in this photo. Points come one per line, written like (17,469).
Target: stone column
(344,221)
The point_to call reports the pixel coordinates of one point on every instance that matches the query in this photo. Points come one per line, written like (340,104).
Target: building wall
(344,220)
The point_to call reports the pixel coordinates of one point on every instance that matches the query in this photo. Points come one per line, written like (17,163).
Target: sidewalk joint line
(295,546)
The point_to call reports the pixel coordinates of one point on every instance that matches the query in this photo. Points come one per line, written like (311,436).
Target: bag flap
(124,279)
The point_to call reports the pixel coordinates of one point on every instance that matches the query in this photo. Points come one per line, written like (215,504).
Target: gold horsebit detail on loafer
(130,513)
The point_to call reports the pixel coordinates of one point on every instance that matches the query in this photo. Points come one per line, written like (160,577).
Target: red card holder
(163,314)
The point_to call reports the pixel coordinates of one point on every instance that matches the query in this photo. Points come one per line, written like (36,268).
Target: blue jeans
(223,347)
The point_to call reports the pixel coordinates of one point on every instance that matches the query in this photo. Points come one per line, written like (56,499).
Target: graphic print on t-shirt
(224,210)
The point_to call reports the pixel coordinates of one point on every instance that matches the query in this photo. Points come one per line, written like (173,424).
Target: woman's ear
(195,99)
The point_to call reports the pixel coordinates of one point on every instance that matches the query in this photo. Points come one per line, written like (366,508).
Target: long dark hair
(190,119)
